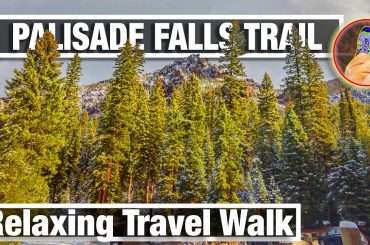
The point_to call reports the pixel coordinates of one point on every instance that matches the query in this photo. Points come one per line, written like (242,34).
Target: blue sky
(96,70)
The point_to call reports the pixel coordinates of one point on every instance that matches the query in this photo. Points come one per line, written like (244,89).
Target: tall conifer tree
(34,131)
(269,132)
(234,48)
(295,81)
(141,169)
(306,89)
(156,138)
(70,154)
(319,128)
(114,168)
(348,178)
(174,154)
(235,93)
(348,184)
(229,176)
(193,182)
(234,87)
(295,177)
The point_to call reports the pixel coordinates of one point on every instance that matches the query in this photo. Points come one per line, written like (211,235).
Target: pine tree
(193,182)
(348,185)
(319,129)
(141,169)
(34,130)
(156,130)
(234,87)
(316,120)
(296,62)
(234,48)
(173,152)
(114,166)
(236,94)
(70,154)
(295,177)
(348,177)
(269,133)
(229,176)
(307,91)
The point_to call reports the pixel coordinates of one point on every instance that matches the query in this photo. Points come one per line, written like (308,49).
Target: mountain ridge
(179,70)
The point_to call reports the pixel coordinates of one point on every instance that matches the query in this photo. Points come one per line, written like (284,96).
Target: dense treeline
(212,142)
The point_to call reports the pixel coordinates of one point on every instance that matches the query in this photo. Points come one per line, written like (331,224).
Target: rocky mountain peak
(172,75)
(180,70)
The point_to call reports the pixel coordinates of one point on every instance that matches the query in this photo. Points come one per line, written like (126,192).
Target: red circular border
(339,70)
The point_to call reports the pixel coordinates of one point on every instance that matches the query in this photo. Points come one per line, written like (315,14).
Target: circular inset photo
(351,53)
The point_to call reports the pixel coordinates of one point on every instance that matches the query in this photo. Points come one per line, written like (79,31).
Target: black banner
(149,222)
(165,36)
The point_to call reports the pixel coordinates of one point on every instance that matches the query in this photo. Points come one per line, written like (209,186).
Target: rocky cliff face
(180,70)
(92,95)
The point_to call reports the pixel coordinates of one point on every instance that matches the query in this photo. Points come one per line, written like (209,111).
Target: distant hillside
(173,74)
